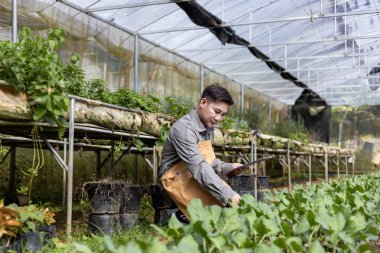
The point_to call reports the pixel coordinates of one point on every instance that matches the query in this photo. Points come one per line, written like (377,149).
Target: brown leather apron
(181,186)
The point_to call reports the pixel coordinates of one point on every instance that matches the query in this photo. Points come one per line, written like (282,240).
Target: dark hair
(217,93)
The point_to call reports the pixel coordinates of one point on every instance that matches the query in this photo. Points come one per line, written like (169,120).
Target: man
(189,168)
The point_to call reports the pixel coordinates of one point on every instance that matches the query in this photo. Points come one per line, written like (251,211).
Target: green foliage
(339,217)
(233,123)
(132,99)
(164,132)
(178,106)
(291,129)
(15,220)
(33,66)
(94,89)
(226,123)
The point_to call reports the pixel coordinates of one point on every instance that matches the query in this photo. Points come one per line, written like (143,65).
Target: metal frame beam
(295,18)
(324,41)
(134,5)
(253,60)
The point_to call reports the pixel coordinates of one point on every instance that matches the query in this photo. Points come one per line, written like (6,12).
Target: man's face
(211,113)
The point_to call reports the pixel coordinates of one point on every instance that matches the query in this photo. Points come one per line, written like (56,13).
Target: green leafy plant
(226,123)
(177,107)
(15,220)
(164,131)
(132,99)
(33,66)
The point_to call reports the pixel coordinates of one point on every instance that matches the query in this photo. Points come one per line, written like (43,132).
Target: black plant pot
(263,182)
(5,249)
(103,223)
(160,198)
(242,182)
(131,199)
(162,216)
(104,197)
(129,220)
(28,242)
(48,232)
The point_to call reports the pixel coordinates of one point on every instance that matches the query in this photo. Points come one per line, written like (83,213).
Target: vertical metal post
(253,158)
(340,134)
(14,21)
(222,9)
(202,80)
(309,168)
(337,163)
(241,98)
(335,18)
(250,28)
(346,166)
(326,167)
(298,69)
(270,111)
(12,174)
(270,43)
(321,6)
(289,170)
(345,28)
(286,56)
(155,165)
(112,158)
(353,166)
(98,164)
(136,64)
(71,168)
(64,172)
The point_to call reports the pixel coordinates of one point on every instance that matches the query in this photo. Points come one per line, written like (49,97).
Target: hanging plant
(34,67)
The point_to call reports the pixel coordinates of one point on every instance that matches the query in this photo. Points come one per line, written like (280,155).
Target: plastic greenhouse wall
(107,53)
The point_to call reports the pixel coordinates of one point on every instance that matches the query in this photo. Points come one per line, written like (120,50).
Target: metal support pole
(98,164)
(155,165)
(55,154)
(70,172)
(14,21)
(112,158)
(289,170)
(309,168)
(12,174)
(253,158)
(241,98)
(340,134)
(136,64)
(353,166)
(326,167)
(337,160)
(346,166)
(202,80)
(270,111)
(64,172)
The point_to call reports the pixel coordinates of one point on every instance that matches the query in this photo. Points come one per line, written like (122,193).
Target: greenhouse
(97,153)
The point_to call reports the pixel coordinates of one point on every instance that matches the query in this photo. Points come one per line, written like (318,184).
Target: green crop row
(342,216)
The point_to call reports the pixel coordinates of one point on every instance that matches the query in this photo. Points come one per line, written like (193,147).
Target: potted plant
(24,228)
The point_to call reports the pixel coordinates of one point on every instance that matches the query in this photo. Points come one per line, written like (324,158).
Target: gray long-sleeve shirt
(181,144)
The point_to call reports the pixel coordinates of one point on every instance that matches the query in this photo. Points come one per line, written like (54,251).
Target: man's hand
(236,172)
(235,199)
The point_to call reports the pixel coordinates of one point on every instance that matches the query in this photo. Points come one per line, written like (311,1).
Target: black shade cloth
(318,124)
(226,34)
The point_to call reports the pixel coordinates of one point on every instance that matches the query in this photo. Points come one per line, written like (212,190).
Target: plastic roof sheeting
(329,45)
